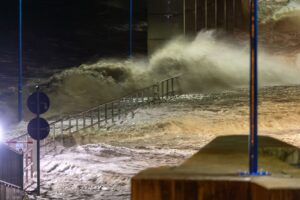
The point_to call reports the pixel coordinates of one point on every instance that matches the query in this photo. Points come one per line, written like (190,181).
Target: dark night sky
(64,33)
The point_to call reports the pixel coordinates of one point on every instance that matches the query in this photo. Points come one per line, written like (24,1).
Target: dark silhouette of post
(130,27)
(253,138)
(20,71)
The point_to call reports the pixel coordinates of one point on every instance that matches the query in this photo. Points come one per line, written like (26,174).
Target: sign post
(38,128)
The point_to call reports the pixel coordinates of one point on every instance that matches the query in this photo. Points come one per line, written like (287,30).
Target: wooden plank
(212,174)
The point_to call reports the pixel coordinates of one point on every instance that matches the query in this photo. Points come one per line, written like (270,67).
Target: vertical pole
(132,106)
(26,164)
(196,16)
(99,117)
(70,124)
(130,27)
(253,139)
(119,109)
(61,127)
(216,14)
(206,14)
(22,169)
(20,76)
(54,129)
(105,108)
(172,86)
(38,141)
(112,112)
(77,123)
(234,14)
(167,89)
(225,14)
(92,119)
(83,115)
(184,18)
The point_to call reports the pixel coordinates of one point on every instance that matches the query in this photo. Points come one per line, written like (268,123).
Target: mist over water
(207,63)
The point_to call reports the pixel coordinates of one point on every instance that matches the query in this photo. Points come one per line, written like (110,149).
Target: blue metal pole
(20,76)
(253,139)
(130,27)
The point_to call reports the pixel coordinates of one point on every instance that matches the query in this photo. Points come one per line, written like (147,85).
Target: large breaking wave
(207,63)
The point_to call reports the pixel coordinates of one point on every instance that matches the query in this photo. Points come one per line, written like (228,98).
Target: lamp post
(20,63)
(253,138)
(130,27)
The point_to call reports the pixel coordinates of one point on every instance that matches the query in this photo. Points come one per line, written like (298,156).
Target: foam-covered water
(207,63)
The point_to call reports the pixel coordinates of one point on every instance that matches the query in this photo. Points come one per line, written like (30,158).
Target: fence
(11,166)
(98,116)
(24,144)
(109,112)
(10,192)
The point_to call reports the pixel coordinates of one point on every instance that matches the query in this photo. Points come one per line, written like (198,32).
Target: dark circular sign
(33,130)
(32,103)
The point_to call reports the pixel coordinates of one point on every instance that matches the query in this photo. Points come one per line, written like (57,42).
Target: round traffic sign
(32,103)
(43,130)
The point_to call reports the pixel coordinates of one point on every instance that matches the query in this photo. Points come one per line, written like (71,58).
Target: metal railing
(24,144)
(10,192)
(96,117)
(11,166)
(109,112)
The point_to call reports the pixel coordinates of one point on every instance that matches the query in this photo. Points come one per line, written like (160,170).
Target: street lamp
(20,63)
(130,27)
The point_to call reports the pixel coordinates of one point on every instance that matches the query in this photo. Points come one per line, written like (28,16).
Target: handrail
(116,99)
(109,110)
(10,185)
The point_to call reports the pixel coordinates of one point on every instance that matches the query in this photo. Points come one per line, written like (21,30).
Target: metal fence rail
(10,192)
(110,112)
(96,117)
(11,166)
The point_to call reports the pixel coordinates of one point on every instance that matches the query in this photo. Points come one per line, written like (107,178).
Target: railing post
(99,118)
(26,164)
(53,137)
(172,86)
(167,88)
(162,90)
(142,96)
(112,112)
(62,126)
(105,108)
(54,128)
(77,128)
(92,120)
(119,109)
(83,116)
(132,106)
(70,125)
